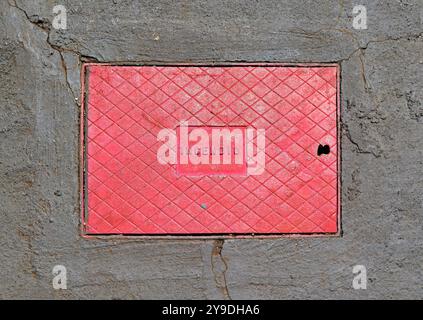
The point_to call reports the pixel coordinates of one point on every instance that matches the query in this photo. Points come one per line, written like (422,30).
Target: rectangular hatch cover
(232,150)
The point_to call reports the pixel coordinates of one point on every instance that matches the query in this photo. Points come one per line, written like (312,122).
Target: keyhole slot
(323,149)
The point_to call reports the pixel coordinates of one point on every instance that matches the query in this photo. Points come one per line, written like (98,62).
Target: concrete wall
(382,148)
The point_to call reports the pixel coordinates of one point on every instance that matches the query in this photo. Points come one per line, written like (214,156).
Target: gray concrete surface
(382,148)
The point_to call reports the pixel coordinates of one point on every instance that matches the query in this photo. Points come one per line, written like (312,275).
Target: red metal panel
(129,191)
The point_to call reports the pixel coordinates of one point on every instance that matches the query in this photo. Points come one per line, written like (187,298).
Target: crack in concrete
(65,70)
(367,87)
(357,146)
(363,69)
(366,45)
(220,275)
(45,26)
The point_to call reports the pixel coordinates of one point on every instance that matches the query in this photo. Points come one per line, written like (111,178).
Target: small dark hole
(323,149)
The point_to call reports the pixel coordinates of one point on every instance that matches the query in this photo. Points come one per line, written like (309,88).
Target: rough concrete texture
(382,148)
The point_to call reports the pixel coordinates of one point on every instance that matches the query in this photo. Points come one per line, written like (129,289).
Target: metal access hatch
(196,150)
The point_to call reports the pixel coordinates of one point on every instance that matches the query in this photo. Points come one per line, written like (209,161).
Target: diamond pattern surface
(129,192)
